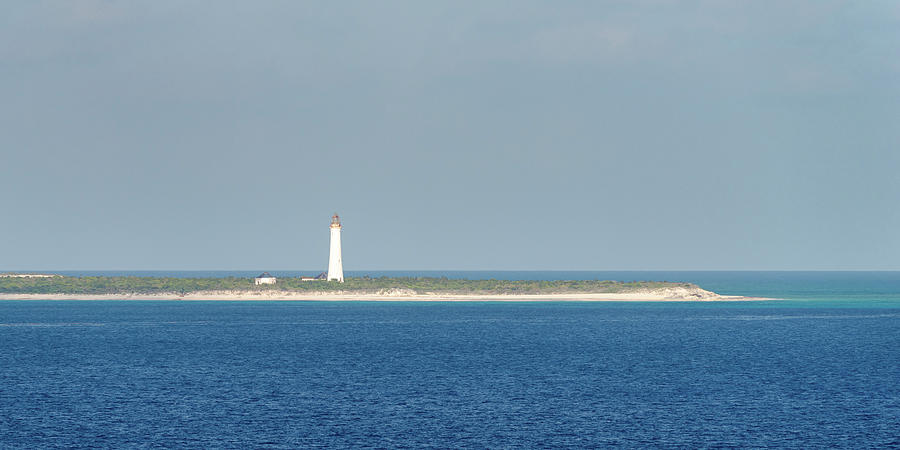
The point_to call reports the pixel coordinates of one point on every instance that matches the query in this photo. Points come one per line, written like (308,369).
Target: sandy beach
(390,297)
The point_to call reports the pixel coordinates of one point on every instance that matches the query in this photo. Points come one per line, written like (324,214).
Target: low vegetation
(419,285)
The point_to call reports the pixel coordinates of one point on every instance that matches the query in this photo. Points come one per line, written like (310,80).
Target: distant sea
(817,369)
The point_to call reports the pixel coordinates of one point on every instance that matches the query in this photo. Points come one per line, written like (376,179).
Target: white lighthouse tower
(335,265)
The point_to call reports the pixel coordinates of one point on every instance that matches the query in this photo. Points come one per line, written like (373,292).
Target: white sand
(675,294)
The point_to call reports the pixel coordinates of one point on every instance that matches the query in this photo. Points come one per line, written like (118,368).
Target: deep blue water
(820,370)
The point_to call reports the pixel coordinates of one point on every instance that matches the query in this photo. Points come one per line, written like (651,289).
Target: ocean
(819,367)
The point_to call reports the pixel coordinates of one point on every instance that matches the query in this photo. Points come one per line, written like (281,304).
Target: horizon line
(448,270)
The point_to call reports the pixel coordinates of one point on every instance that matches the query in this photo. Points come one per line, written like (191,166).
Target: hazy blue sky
(450,135)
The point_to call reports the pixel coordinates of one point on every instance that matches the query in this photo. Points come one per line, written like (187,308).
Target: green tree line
(420,285)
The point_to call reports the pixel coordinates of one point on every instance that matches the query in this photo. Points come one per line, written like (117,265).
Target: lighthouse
(335,266)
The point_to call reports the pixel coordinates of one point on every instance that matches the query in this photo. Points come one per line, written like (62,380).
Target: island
(58,287)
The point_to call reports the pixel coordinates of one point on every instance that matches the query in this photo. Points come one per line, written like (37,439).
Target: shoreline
(388,297)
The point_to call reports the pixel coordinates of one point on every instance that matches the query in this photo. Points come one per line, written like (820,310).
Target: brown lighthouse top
(335,221)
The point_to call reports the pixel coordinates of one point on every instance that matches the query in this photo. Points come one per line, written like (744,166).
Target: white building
(264,278)
(335,265)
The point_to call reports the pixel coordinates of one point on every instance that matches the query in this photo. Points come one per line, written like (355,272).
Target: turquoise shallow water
(821,369)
